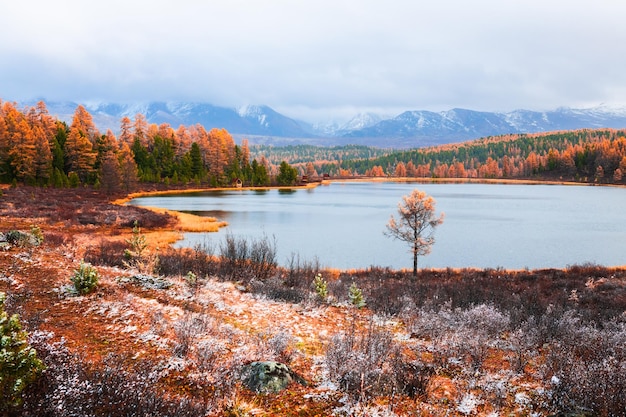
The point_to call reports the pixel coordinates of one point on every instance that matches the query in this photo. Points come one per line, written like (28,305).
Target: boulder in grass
(269,377)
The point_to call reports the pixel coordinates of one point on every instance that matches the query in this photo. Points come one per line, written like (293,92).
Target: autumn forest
(38,149)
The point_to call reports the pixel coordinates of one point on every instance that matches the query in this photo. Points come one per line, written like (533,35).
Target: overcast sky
(318,60)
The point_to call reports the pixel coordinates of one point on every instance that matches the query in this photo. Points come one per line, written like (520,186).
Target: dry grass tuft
(190,222)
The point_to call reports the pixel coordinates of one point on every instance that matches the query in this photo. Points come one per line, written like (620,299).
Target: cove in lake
(485,225)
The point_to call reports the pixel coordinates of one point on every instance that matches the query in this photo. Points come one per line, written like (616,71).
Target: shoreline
(190,223)
(429,180)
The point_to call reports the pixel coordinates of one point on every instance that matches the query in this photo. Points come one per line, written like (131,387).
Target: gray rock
(269,377)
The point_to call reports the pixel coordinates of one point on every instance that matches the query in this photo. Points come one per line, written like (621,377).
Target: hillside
(585,156)
(172,335)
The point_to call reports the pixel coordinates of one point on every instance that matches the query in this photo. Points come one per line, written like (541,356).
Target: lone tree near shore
(416,223)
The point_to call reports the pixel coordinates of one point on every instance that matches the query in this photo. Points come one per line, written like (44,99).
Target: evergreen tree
(259,174)
(197,166)
(287,175)
(19,365)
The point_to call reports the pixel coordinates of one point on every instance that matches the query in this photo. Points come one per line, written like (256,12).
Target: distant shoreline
(188,222)
(138,194)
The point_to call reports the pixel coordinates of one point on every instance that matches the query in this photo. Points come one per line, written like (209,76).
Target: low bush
(147,281)
(299,272)
(244,260)
(107,252)
(85,278)
(373,364)
(23,239)
(179,262)
(276,288)
(71,387)
(585,369)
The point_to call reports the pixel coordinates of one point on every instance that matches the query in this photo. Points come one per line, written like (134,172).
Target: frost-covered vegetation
(170,332)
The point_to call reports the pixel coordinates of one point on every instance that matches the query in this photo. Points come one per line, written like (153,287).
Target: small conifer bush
(85,278)
(321,287)
(19,365)
(356,296)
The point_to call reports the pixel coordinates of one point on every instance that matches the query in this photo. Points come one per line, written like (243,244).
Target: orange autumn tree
(25,143)
(129,175)
(415,224)
(80,156)
(23,153)
(83,123)
(42,163)
(126,131)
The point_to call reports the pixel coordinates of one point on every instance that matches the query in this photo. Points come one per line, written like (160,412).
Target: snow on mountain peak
(255,112)
(250,110)
(361,121)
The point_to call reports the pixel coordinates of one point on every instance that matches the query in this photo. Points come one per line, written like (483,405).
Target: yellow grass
(162,239)
(190,222)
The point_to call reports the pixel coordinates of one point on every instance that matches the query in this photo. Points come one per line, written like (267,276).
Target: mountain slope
(249,120)
(462,124)
(261,124)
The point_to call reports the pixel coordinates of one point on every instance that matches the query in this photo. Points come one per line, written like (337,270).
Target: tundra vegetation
(174,334)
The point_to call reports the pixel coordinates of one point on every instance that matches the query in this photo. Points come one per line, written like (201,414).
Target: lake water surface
(485,225)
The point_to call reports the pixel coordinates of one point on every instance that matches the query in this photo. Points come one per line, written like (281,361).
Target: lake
(341,224)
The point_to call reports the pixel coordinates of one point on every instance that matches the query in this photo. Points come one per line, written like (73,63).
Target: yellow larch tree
(83,123)
(80,156)
(22,153)
(126,131)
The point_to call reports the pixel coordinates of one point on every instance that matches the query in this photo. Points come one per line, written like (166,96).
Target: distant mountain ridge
(248,120)
(430,128)
(414,128)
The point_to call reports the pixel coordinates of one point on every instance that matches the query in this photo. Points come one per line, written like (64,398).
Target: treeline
(319,155)
(38,149)
(582,155)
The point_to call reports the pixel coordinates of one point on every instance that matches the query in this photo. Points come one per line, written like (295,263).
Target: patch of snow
(521,398)
(129,329)
(468,404)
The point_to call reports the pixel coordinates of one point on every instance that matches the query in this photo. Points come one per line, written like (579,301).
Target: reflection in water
(286,191)
(219,214)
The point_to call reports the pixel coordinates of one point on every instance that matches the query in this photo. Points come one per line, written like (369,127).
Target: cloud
(317,57)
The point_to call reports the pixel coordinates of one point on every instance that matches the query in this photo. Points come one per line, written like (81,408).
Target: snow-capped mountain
(416,128)
(419,128)
(247,120)
(336,129)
